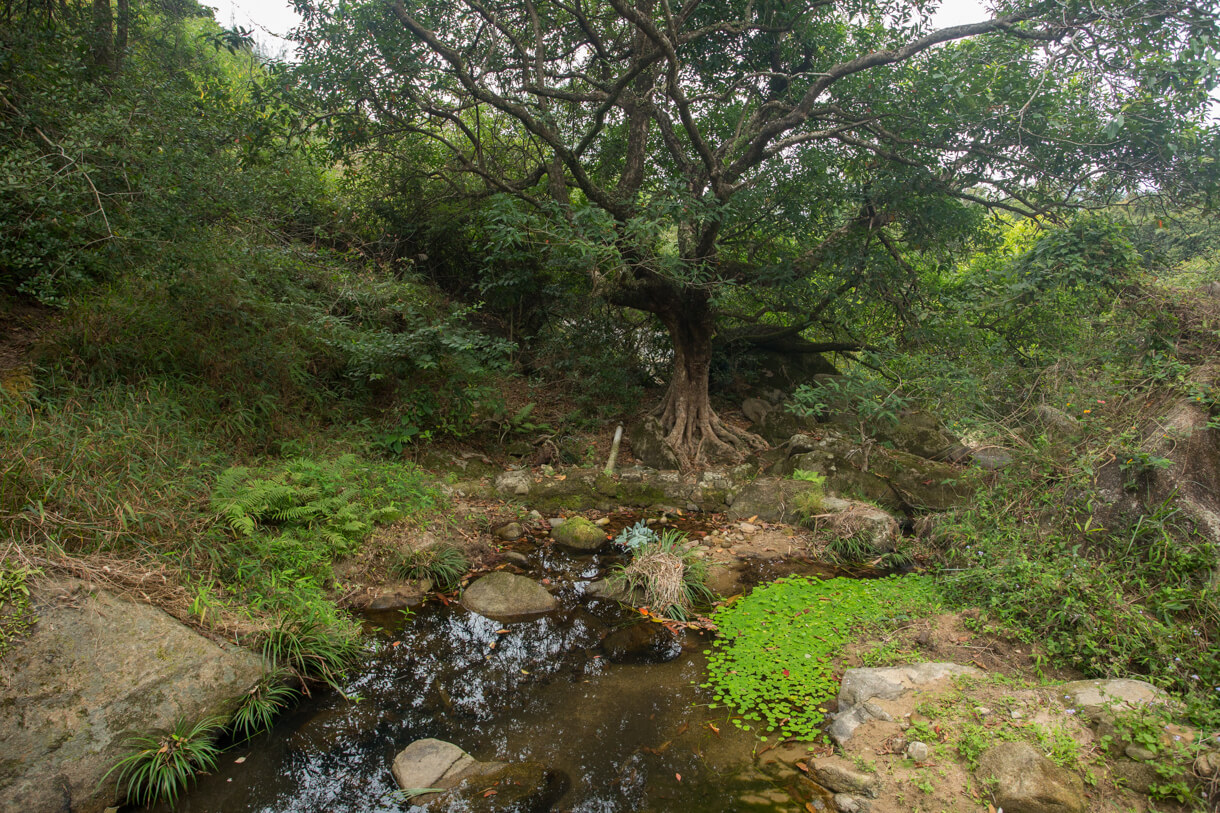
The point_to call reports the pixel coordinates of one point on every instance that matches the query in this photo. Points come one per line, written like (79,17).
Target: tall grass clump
(671,577)
(163,763)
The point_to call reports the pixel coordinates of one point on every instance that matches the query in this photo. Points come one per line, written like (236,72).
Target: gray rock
(918,751)
(525,787)
(1056,419)
(430,763)
(755,409)
(95,670)
(514,483)
(847,803)
(1139,753)
(919,433)
(506,596)
(1095,697)
(517,558)
(509,532)
(991,458)
(580,535)
(1028,782)
(840,776)
(860,686)
(647,439)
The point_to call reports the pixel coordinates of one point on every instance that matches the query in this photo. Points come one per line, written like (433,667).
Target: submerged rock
(1028,782)
(458,781)
(579,535)
(95,670)
(506,595)
(641,643)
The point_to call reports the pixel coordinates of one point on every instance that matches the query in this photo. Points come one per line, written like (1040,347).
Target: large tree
(713,153)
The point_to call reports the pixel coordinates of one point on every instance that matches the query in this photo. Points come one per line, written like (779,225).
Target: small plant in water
(311,649)
(670,576)
(164,762)
(442,564)
(636,536)
(260,705)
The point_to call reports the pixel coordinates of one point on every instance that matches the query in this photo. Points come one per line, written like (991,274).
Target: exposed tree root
(696,434)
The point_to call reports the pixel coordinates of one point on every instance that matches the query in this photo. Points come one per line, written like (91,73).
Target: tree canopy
(763,160)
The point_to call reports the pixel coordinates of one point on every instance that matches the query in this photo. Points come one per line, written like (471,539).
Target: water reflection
(628,737)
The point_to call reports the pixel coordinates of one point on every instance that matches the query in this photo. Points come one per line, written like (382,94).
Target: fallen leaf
(561,476)
(809,806)
(682,729)
(487,793)
(395,643)
(751,519)
(679,776)
(714,729)
(501,632)
(524,672)
(801,766)
(492,645)
(239,760)
(785,673)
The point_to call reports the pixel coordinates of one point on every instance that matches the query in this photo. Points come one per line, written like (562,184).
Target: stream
(626,736)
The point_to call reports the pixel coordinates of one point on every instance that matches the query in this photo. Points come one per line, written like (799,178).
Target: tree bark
(103,36)
(123,22)
(695,433)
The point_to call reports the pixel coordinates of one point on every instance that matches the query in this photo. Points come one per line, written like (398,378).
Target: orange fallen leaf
(751,519)
(501,632)
(679,776)
(802,767)
(714,729)
(809,806)
(682,729)
(487,793)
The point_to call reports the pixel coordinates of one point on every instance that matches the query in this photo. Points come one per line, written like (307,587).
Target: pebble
(918,752)
(982,711)
(1139,753)
(602,523)
(1016,715)
(555,521)
(747,528)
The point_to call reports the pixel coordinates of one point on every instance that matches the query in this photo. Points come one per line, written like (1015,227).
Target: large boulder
(507,596)
(893,479)
(921,434)
(647,439)
(94,671)
(1027,782)
(579,535)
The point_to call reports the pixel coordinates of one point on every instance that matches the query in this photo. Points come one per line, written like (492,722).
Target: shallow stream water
(628,737)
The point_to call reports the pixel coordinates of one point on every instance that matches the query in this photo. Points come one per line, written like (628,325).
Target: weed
(1059,745)
(164,762)
(443,564)
(16,615)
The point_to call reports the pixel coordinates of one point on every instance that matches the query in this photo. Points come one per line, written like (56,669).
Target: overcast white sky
(271,20)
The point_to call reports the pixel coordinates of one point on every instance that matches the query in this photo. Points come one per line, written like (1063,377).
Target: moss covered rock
(579,535)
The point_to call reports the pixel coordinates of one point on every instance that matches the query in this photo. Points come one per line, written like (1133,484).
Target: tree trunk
(123,7)
(694,432)
(103,36)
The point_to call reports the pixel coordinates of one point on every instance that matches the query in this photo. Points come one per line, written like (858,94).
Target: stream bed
(633,735)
